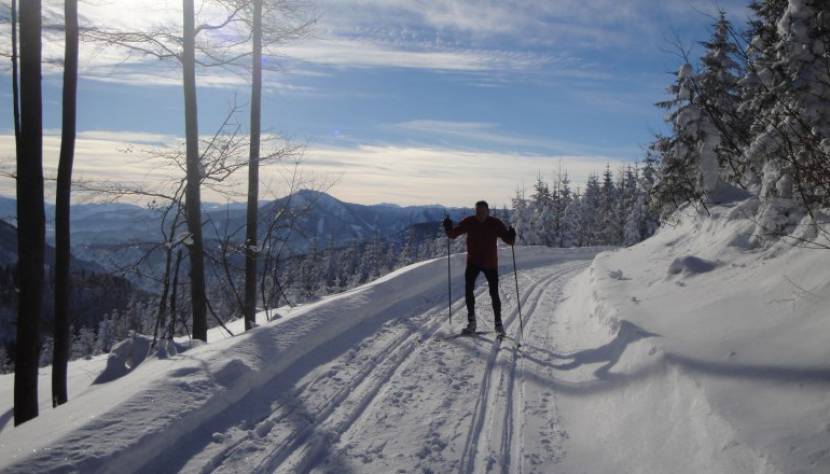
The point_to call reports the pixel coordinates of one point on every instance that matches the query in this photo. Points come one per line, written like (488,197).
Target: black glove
(511,234)
(447,224)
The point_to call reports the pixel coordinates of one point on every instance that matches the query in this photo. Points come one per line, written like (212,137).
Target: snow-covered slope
(691,352)
(738,356)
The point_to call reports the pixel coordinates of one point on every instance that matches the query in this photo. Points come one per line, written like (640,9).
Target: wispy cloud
(370,173)
(485,134)
(347,52)
(451,35)
(476,132)
(603,24)
(423,175)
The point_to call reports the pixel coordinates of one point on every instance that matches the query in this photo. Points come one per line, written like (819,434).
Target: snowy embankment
(692,352)
(719,360)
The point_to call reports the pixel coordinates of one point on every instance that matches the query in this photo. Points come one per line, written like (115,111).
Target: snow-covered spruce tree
(718,96)
(642,219)
(541,214)
(648,178)
(561,225)
(757,87)
(790,147)
(680,154)
(519,218)
(571,234)
(106,337)
(310,272)
(627,206)
(409,250)
(612,211)
(330,258)
(83,344)
(611,230)
(590,215)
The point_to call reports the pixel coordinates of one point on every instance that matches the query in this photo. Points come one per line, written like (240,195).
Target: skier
(482,257)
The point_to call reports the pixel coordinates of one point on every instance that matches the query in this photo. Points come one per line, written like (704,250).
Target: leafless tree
(168,42)
(211,50)
(31,222)
(252,210)
(221,157)
(63,192)
(280,25)
(15,84)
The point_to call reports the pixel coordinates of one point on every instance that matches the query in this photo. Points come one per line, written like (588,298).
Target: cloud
(368,173)
(423,175)
(476,132)
(451,35)
(347,52)
(340,43)
(598,24)
(144,138)
(486,134)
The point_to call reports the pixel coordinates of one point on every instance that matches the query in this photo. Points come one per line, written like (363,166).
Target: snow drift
(741,364)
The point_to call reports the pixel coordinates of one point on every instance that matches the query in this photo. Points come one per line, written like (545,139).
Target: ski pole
(449,280)
(518,299)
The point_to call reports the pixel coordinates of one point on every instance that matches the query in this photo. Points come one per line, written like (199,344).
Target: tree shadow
(5,418)
(820,375)
(609,353)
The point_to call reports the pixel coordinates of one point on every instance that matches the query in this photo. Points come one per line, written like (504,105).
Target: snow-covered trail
(456,404)
(438,403)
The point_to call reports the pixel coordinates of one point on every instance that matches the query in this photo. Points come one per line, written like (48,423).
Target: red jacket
(481,240)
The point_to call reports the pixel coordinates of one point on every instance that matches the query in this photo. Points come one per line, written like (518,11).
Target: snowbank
(732,351)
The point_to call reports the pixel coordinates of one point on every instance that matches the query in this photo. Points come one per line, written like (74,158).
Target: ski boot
(470,329)
(499,329)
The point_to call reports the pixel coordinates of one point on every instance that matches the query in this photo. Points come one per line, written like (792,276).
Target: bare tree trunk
(253,171)
(173,299)
(165,282)
(15,84)
(60,353)
(193,205)
(30,216)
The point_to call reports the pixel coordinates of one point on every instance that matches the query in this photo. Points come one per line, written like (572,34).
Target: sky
(407,102)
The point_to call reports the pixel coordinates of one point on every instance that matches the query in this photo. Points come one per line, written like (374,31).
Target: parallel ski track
(468,457)
(387,361)
(476,453)
(406,351)
(513,453)
(298,451)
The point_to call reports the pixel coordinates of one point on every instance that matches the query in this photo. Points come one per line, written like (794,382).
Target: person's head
(482,210)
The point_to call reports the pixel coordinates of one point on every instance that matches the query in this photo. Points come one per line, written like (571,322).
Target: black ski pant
(470,276)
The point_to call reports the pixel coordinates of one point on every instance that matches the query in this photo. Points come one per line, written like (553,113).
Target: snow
(625,366)
(745,341)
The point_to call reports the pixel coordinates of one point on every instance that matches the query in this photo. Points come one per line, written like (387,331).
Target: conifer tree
(719,97)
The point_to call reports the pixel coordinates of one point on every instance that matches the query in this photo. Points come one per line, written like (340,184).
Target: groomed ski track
(449,405)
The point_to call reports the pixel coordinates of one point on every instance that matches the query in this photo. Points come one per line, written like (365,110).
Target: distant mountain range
(8,251)
(328,220)
(324,219)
